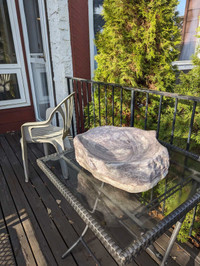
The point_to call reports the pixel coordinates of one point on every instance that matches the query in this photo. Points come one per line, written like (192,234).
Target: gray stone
(128,158)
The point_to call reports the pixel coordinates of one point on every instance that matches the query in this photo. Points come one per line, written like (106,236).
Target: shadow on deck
(37,225)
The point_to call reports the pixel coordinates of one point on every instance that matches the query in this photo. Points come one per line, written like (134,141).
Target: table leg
(80,239)
(172,240)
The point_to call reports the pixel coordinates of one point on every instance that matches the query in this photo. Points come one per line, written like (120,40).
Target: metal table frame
(122,257)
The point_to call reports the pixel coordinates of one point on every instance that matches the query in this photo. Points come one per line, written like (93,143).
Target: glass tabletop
(127,216)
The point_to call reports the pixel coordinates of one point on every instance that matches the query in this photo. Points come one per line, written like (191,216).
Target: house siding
(79,30)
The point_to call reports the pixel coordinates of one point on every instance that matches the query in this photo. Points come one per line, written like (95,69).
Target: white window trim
(183,64)
(42,11)
(19,67)
(31,59)
(14,102)
(26,43)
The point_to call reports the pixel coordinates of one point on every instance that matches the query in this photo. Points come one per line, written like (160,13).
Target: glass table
(125,222)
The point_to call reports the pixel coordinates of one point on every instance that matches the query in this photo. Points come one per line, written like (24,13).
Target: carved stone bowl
(128,158)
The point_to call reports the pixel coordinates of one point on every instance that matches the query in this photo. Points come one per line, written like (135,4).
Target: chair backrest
(65,108)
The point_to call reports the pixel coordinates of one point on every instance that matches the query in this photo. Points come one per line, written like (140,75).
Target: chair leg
(67,144)
(25,159)
(46,150)
(63,164)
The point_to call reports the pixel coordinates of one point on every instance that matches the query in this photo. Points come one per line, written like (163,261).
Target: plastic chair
(44,132)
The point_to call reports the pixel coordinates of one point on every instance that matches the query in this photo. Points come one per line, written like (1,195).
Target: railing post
(82,105)
(78,108)
(106,104)
(132,107)
(99,97)
(93,104)
(69,92)
(121,101)
(113,105)
(146,111)
(174,121)
(159,116)
(88,106)
(191,125)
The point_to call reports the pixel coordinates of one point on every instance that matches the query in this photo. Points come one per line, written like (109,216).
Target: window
(189,10)
(13,85)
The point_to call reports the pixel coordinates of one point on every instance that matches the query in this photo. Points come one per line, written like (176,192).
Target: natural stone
(126,157)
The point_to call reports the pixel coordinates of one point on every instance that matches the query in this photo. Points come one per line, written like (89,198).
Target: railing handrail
(163,93)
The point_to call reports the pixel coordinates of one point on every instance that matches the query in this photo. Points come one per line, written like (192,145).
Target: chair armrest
(28,124)
(27,127)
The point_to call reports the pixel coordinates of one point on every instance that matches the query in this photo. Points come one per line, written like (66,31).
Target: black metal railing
(88,105)
(95,105)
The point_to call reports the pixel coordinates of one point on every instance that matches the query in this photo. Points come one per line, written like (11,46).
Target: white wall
(60,45)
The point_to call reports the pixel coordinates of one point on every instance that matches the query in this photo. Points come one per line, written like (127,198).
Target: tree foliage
(136,48)
(174,200)
(138,43)
(189,84)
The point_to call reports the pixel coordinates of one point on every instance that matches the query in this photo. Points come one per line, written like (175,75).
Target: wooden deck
(37,225)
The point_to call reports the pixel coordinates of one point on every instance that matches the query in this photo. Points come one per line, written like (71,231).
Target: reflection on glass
(33,25)
(9,89)
(181,7)
(7,50)
(98,22)
(130,215)
(98,19)
(43,76)
(40,78)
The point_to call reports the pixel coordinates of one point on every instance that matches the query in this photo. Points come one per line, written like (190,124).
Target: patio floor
(36,224)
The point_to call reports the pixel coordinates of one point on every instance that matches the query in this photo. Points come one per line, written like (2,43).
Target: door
(35,35)
(13,82)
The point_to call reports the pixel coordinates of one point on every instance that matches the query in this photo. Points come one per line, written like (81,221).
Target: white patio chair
(44,132)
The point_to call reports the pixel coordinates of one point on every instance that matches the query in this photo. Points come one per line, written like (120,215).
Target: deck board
(37,223)
(6,252)
(36,200)
(14,218)
(28,204)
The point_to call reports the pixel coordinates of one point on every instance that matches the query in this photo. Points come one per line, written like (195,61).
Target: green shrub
(138,43)
(136,48)
(190,85)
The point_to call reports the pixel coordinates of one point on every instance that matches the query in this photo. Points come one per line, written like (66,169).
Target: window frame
(16,68)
